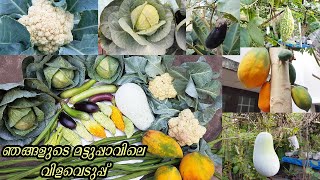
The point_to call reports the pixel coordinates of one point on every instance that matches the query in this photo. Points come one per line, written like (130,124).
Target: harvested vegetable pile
(138,99)
(48,27)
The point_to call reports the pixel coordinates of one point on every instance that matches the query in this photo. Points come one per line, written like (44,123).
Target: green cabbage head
(24,112)
(103,68)
(137,27)
(58,73)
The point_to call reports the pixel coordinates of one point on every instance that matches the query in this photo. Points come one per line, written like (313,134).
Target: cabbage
(25,111)
(137,27)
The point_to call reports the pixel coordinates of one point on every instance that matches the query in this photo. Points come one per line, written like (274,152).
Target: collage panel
(259,81)
(213,27)
(273,23)
(42,27)
(271,146)
(142,27)
(172,104)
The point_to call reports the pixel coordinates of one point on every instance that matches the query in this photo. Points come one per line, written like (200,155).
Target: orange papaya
(167,172)
(264,97)
(161,144)
(196,166)
(254,67)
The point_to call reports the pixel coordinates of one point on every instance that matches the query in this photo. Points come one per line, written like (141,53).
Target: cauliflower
(186,128)
(49,27)
(162,88)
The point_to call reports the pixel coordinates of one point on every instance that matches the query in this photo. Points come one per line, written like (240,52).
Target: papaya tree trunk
(280,97)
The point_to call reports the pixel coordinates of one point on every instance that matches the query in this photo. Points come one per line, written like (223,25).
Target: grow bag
(299,162)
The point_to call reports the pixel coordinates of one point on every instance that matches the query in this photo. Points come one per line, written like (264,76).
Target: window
(239,100)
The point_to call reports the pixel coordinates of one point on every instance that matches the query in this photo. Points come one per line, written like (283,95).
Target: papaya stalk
(280,97)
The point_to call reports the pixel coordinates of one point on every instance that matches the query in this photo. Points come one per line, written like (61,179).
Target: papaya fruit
(161,144)
(292,74)
(254,67)
(301,97)
(285,55)
(196,166)
(167,173)
(264,97)
(217,35)
(286,25)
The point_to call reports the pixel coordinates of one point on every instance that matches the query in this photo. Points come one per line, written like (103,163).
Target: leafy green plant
(25,111)
(65,27)
(58,73)
(205,17)
(240,130)
(141,27)
(259,15)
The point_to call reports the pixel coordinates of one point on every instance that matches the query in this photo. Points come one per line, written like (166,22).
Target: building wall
(306,66)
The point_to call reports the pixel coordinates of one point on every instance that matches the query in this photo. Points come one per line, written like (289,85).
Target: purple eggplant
(101,97)
(86,106)
(67,121)
(217,35)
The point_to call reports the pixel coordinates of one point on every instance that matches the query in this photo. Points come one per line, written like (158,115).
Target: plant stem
(142,168)
(14,169)
(195,49)
(133,175)
(15,161)
(52,122)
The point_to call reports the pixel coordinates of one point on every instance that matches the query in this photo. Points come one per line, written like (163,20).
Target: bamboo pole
(280,98)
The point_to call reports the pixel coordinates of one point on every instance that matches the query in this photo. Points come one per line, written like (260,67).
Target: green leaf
(8,7)
(212,89)
(231,44)
(247,2)
(229,7)
(14,37)
(15,115)
(245,40)
(135,64)
(255,33)
(191,89)
(87,46)
(14,94)
(200,28)
(88,24)
(201,72)
(81,5)
(154,66)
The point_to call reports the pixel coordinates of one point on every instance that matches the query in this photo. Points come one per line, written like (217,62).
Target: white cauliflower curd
(186,128)
(162,88)
(49,27)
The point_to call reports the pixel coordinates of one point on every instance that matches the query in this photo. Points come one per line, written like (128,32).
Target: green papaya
(301,97)
(292,74)
(285,55)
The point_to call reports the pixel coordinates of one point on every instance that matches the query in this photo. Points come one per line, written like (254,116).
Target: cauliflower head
(162,88)
(186,128)
(49,27)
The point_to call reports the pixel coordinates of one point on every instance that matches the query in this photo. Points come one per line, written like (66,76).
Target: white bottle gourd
(265,159)
(132,102)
